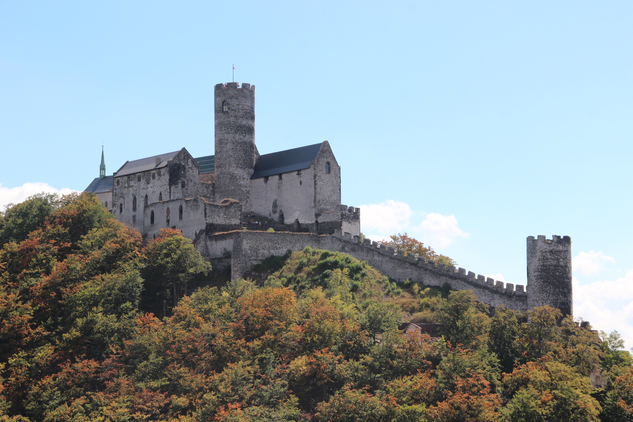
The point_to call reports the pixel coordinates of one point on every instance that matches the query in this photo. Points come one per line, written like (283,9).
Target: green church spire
(102,166)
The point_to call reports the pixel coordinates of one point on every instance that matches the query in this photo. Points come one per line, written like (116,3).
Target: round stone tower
(549,273)
(235,151)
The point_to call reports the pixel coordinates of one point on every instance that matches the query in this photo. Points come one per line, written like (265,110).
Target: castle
(227,203)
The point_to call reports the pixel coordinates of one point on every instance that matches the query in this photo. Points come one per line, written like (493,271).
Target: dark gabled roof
(207,164)
(101,185)
(145,164)
(285,161)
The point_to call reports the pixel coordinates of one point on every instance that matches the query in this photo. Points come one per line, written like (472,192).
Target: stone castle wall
(247,248)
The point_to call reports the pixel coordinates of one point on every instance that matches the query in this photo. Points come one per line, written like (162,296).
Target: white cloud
(440,230)
(20,193)
(379,221)
(607,305)
(587,263)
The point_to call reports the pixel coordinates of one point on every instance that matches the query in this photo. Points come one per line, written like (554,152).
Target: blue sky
(469,125)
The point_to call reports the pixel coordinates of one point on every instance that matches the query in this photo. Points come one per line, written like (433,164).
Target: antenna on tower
(234,73)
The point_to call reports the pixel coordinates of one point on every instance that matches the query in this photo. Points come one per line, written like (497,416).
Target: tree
(21,219)
(463,319)
(412,246)
(351,405)
(503,335)
(170,261)
(549,391)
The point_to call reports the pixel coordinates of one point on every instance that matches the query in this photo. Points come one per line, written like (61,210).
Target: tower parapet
(549,273)
(235,150)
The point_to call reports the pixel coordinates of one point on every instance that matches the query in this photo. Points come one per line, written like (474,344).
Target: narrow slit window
(327,168)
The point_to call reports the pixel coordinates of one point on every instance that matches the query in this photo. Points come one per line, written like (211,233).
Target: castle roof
(285,161)
(144,164)
(101,185)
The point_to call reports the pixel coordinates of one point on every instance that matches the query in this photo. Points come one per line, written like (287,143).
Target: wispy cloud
(20,193)
(379,221)
(587,263)
(607,305)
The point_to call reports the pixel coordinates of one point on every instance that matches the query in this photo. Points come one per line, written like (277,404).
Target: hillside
(313,336)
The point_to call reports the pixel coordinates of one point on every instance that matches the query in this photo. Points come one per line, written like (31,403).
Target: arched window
(225,107)
(146,203)
(134,203)
(160,197)
(120,207)
(327,167)
(180,212)
(151,217)
(167,216)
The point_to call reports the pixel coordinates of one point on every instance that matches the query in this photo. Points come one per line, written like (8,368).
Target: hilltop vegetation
(317,339)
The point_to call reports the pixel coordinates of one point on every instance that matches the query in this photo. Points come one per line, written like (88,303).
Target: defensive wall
(243,249)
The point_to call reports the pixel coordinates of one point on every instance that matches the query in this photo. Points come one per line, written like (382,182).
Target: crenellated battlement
(235,86)
(350,210)
(555,239)
(459,274)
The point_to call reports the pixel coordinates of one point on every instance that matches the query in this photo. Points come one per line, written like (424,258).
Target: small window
(299,173)
(225,107)
(160,197)
(151,217)
(280,177)
(182,184)
(266,179)
(146,202)
(118,182)
(167,216)
(138,178)
(134,203)
(106,204)
(180,212)
(120,207)
(327,167)
(153,176)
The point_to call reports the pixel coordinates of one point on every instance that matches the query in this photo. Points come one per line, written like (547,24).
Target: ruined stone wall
(549,273)
(235,151)
(290,195)
(250,248)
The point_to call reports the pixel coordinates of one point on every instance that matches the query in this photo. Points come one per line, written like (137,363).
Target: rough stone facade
(549,272)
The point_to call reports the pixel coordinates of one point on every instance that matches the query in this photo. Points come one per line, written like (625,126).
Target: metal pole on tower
(233,73)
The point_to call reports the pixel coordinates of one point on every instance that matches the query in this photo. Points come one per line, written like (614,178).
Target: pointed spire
(102,166)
